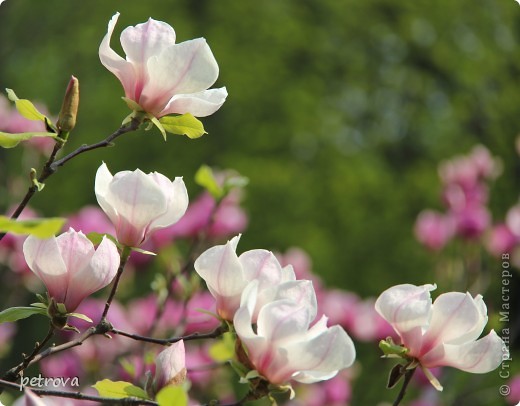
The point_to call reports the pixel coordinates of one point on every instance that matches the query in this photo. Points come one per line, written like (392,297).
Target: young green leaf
(119,389)
(172,395)
(205,178)
(184,124)
(80,316)
(41,228)
(224,349)
(8,140)
(17,313)
(25,107)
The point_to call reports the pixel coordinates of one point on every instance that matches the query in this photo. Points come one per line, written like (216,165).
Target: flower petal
(98,274)
(123,70)
(169,364)
(456,319)
(477,357)
(44,259)
(101,188)
(406,306)
(281,319)
(200,104)
(188,67)
(176,197)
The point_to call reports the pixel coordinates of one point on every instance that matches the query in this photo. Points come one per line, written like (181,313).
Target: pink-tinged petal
(477,357)
(188,67)
(322,356)
(44,259)
(222,272)
(98,274)
(281,319)
(76,251)
(146,40)
(170,365)
(262,265)
(513,220)
(456,319)
(101,188)
(406,307)
(177,201)
(138,200)
(200,104)
(123,70)
(31,399)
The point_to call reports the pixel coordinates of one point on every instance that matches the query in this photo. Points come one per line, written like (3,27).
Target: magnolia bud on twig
(69,108)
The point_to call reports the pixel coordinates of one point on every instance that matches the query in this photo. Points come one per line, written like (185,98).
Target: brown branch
(407,378)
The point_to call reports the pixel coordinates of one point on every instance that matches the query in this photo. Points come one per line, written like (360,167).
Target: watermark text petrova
(48,382)
(506,294)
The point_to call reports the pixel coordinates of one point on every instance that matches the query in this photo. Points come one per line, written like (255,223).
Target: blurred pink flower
(472,221)
(514,385)
(500,240)
(161,76)
(434,229)
(91,219)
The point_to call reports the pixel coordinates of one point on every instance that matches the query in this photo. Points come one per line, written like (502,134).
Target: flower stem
(407,378)
(125,254)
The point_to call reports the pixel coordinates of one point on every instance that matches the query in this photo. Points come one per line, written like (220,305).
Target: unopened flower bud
(69,108)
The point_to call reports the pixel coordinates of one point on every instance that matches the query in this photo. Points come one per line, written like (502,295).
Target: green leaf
(172,395)
(26,108)
(392,350)
(8,140)
(97,238)
(80,316)
(41,228)
(159,125)
(40,305)
(224,349)
(205,178)
(184,124)
(119,389)
(17,313)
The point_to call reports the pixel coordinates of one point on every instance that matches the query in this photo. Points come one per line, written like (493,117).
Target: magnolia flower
(284,346)
(227,275)
(139,203)
(70,267)
(443,333)
(170,366)
(161,76)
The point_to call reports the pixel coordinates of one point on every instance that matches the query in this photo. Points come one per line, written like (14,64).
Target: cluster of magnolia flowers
(281,335)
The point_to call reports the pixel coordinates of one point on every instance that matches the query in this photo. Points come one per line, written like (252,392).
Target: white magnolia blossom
(444,333)
(227,275)
(70,267)
(139,203)
(161,76)
(284,346)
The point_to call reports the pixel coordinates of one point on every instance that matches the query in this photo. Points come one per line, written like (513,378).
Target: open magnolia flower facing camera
(444,333)
(160,76)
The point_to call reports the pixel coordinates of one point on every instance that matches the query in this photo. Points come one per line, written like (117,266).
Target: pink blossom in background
(472,221)
(434,229)
(514,396)
(500,240)
(336,391)
(161,76)
(229,219)
(196,320)
(91,219)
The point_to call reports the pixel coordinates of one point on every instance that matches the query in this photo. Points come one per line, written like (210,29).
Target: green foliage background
(338,111)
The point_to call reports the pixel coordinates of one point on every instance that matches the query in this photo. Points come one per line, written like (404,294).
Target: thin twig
(79,395)
(51,166)
(125,254)
(407,378)
(194,336)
